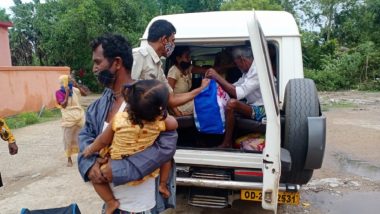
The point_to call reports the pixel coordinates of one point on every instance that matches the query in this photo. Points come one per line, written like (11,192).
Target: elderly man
(247,87)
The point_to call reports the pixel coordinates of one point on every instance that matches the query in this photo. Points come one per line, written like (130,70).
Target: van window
(274,59)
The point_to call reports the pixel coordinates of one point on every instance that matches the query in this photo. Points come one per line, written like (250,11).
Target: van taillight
(248,175)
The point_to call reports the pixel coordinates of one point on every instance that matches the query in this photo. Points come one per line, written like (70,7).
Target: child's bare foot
(69,162)
(164,190)
(111,206)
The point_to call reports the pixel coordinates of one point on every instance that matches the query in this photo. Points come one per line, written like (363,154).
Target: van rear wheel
(301,101)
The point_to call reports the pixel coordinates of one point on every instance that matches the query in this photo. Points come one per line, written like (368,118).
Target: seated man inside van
(226,67)
(247,88)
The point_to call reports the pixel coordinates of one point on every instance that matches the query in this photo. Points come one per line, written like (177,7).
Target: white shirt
(137,198)
(248,87)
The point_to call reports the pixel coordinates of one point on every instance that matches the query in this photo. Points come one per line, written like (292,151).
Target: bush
(325,80)
(15,122)
(22,120)
(373,85)
(51,113)
(29,118)
(344,68)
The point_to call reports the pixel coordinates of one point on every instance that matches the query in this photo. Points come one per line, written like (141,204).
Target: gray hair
(242,51)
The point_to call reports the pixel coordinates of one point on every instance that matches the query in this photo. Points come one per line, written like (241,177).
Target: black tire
(301,101)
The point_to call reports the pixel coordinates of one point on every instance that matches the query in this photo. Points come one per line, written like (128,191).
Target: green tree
(23,36)
(291,6)
(341,38)
(201,5)
(58,32)
(3,15)
(344,54)
(187,6)
(372,20)
(250,4)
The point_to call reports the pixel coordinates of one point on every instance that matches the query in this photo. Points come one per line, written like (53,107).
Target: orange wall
(28,88)
(5,54)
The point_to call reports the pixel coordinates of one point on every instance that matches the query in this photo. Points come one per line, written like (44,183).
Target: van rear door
(271,154)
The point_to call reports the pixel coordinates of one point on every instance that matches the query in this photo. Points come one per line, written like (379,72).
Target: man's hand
(94,174)
(87,151)
(13,149)
(75,84)
(212,74)
(106,171)
(205,83)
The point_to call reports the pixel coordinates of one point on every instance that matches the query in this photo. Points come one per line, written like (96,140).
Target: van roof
(228,25)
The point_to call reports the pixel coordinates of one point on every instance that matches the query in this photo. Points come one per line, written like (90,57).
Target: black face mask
(106,78)
(184,65)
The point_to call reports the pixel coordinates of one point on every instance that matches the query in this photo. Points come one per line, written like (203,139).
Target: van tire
(300,102)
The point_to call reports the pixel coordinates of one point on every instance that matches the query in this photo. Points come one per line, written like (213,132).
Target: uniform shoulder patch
(143,51)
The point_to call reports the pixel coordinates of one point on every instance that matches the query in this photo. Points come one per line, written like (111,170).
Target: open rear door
(271,154)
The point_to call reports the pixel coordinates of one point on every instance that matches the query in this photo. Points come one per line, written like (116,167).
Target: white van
(294,129)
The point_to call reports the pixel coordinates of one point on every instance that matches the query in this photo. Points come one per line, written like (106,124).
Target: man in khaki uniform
(6,135)
(147,63)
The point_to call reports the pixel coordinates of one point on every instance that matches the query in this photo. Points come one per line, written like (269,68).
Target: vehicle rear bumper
(232,185)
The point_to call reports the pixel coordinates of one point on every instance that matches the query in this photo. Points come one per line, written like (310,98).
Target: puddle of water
(359,167)
(356,202)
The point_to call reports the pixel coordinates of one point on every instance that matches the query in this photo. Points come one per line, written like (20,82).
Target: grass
(29,118)
(339,104)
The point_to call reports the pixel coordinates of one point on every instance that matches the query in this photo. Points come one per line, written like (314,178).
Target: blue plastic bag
(209,109)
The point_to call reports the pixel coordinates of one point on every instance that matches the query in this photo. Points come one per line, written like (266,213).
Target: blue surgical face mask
(169,48)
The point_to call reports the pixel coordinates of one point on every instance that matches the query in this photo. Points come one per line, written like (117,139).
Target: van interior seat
(243,124)
(185,121)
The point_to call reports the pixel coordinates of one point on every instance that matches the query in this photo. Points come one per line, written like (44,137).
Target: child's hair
(147,100)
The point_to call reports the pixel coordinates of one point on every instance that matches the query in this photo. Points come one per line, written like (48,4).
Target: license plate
(283,197)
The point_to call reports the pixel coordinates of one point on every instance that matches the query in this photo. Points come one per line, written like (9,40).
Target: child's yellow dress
(129,139)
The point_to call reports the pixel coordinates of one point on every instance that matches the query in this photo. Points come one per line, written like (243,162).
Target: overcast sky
(6,4)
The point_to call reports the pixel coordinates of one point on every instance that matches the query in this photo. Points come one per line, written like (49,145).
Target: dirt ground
(348,182)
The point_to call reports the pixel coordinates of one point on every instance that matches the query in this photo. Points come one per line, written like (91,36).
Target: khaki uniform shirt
(183,80)
(147,65)
(182,85)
